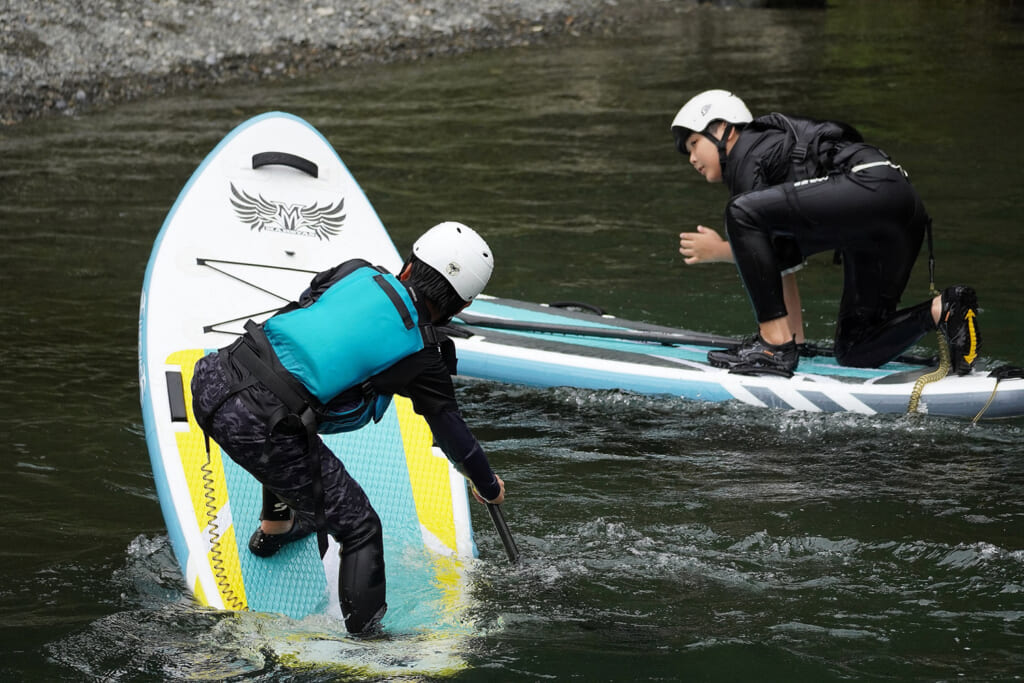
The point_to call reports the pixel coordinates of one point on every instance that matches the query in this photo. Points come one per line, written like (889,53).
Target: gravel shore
(66,56)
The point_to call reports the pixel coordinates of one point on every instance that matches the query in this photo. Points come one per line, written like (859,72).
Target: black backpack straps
(316,476)
(396,300)
(325,279)
(258,365)
(296,404)
(814,143)
(798,152)
(430,337)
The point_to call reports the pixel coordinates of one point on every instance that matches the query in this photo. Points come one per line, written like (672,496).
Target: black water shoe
(265,545)
(958,323)
(757,357)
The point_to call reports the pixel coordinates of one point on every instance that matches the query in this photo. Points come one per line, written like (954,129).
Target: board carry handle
(498,517)
(285,159)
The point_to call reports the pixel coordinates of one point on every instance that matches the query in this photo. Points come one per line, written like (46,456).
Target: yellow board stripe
(428,474)
(199,593)
(208,491)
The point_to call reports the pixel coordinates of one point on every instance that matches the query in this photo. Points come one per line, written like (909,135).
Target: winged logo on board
(323,222)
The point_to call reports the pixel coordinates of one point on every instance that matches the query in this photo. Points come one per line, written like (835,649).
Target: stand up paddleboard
(270,206)
(517,342)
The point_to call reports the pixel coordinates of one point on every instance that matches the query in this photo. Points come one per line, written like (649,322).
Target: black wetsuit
(818,186)
(245,418)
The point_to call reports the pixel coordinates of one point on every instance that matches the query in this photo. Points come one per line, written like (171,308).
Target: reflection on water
(660,538)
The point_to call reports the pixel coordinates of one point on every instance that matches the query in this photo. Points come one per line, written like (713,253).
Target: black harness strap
(234,389)
(254,363)
(217,406)
(295,404)
(395,299)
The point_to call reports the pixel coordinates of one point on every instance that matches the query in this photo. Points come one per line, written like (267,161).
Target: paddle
(666,338)
(502,528)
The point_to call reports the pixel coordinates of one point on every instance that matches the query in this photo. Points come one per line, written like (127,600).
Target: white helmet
(459,254)
(711,105)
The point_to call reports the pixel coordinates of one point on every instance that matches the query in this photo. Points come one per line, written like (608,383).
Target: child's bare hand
(704,246)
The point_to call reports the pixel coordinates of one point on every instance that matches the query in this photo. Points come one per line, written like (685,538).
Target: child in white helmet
(330,362)
(799,187)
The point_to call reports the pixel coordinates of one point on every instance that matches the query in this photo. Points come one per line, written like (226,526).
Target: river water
(663,539)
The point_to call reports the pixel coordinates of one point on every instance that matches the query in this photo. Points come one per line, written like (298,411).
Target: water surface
(663,539)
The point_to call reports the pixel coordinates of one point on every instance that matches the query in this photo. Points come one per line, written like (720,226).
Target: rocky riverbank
(66,56)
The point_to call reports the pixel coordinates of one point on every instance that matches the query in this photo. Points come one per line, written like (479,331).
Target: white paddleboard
(269,207)
(524,343)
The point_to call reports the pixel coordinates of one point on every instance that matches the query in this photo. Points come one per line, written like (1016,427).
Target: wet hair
(681,134)
(435,287)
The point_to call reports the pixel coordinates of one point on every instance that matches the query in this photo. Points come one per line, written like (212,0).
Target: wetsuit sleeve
(425,378)
(464,451)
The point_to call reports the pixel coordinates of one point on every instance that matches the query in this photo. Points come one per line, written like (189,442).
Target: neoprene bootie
(264,545)
(757,357)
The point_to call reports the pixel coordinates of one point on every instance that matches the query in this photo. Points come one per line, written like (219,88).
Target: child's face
(704,157)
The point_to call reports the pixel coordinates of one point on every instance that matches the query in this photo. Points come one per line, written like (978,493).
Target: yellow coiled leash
(231,599)
(1000,373)
(944,362)
(933,376)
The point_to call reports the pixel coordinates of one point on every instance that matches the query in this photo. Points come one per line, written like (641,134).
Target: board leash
(216,556)
(1000,373)
(991,397)
(944,360)
(933,376)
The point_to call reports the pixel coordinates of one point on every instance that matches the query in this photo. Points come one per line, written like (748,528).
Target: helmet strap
(720,143)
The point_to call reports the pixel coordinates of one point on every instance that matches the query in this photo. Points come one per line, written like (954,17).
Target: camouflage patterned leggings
(279,460)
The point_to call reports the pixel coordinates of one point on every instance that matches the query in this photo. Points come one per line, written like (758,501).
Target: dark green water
(664,540)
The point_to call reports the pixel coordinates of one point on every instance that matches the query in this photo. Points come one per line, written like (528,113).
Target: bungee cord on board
(210,263)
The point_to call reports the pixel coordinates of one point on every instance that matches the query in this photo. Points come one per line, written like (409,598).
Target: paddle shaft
(666,338)
(502,528)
